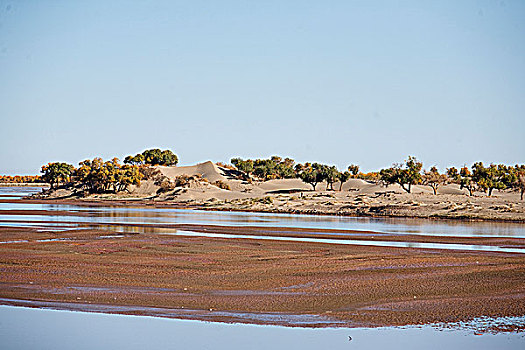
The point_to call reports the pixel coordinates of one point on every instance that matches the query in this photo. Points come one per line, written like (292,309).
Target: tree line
(99,176)
(478,178)
(20,179)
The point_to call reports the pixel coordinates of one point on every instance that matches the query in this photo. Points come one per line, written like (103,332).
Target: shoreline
(183,205)
(24,184)
(501,207)
(273,231)
(477,326)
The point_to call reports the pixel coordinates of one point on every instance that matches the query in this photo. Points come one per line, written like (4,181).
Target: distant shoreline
(206,186)
(24,184)
(364,212)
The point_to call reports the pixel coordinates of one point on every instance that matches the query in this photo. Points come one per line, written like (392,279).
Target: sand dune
(357,197)
(283,185)
(207,170)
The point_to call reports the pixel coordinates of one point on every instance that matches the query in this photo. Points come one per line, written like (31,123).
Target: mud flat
(259,281)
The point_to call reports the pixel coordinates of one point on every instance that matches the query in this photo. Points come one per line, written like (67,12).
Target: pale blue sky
(366,82)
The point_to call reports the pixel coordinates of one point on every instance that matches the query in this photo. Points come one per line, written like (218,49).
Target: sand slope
(207,170)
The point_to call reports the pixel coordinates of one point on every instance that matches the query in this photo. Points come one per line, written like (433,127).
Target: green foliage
(434,179)
(517,178)
(343,177)
(466,180)
(266,169)
(97,176)
(153,157)
(452,174)
(491,177)
(405,175)
(312,174)
(353,169)
(331,175)
(136,160)
(53,173)
(246,166)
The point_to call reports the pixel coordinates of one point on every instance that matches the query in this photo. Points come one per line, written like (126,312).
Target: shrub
(222,184)
(149,173)
(166,185)
(265,200)
(226,166)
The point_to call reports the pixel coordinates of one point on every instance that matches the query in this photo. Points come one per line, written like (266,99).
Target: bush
(182,180)
(166,185)
(149,173)
(222,184)
(265,200)
(226,166)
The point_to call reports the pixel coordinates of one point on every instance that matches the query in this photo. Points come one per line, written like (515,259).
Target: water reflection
(142,215)
(18,192)
(26,328)
(446,246)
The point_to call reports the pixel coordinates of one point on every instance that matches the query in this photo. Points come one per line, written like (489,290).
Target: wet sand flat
(224,278)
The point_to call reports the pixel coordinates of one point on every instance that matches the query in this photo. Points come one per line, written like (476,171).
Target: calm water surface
(28,328)
(141,215)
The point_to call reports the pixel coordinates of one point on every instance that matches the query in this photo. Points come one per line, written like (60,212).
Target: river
(49,328)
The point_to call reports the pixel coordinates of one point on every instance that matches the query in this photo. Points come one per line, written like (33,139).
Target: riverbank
(208,186)
(506,208)
(222,279)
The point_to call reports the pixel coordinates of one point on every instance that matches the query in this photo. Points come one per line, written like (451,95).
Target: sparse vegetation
(223,185)
(434,179)
(312,174)
(405,175)
(98,176)
(226,166)
(343,177)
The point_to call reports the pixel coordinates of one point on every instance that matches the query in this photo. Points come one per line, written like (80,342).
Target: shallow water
(28,328)
(376,243)
(447,246)
(141,215)
(122,219)
(18,192)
